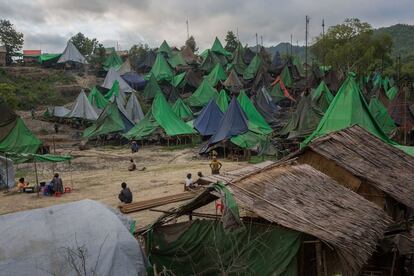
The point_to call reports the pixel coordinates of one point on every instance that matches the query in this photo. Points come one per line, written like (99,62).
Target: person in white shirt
(189,184)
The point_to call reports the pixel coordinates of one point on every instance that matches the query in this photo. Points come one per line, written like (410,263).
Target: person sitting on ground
(215,166)
(56,184)
(134,147)
(21,184)
(198,181)
(189,183)
(132,166)
(125,195)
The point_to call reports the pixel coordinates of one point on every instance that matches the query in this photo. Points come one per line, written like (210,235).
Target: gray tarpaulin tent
(57,111)
(133,109)
(83,109)
(125,67)
(50,241)
(72,54)
(6,173)
(110,78)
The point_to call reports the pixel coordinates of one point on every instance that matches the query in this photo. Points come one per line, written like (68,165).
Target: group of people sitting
(54,186)
(190,184)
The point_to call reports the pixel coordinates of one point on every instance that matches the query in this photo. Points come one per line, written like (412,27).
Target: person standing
(56,184)
(215,166)
(125,195)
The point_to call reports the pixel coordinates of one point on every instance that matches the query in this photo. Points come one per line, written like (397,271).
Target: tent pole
(70,173)
(7,173)
(37,178)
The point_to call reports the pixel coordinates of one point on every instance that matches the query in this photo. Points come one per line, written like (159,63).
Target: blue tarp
(234,122)
(134,80)
(207,122)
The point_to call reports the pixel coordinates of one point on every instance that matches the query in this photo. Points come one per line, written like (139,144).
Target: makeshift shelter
(161,70)
(237,61)
(218,48)
(72,235)
(286,77)
(82,109)
(193,78)
(265,105)
(113,61)
(380,114)
(248,55)
(133,109)
(97,100)
(110,121)
(179,80)
(209,61)
(113,76)
(182,110)
(165,49)
(189,56)
(152,88)
(14,135)
(216,75)
(223,100)
(391,93)
(344,227)
(176,60)
(233,82)
(253,67)
(279,91)
(6,173)
(257,123)
(56,112)
(47,60)
(276,61)
(204,93)
(160,116)
(206,122)
(148,61)
(134,80)
(401,111)
(71,54)
(115,94)
(125,67)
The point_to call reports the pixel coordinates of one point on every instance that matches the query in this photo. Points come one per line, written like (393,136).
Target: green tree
(8,94)
(351,46)
(137,53)
(231,41)
(190,42)
(85,45)
(98,57)
(12,40)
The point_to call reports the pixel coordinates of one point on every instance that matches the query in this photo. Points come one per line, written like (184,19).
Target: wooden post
(37,178)
(319,265)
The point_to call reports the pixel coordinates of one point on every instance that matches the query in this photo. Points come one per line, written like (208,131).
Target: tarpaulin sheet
(207,122)
(204,93)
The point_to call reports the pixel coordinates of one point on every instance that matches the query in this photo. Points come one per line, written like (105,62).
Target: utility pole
(323,28)
(237,32)
(257,44)
(188,30)
(261,40)
(323,41)
(306,48)
(291,45)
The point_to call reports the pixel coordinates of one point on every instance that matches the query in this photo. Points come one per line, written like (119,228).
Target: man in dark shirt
(57,184)
(125,195)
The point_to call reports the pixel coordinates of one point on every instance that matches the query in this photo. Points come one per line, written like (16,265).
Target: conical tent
(204,93)
(286,77)
(248,55)
(253,67)
(391,93)
(233,81)
(223,100)
(112,61)
(209,61)
(133,109)
(152,88)
(110,121)
(277,60)
(125,67)
(113,76)
(218,48)
(19,139)
(182,110)
(401,112)
(176,60)
(134,80)
(161,70)
(115,93)
(298,64)
(56,111)
(160,115)
(276,93)
(238,61)
(149,60)
(71,54)
(165,49)
(207,122)
(265,105)
(381,115)
(256,121)
(188,55)
(96,99)
(179,80)
(322,96)
(83,109)
(216,75)
(234,122)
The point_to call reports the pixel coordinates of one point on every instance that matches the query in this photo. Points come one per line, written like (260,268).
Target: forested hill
(403,38)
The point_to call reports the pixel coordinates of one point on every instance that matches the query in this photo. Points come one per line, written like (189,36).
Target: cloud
(50,23)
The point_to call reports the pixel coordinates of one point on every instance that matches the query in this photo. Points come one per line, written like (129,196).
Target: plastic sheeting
(20,139)
(111,77)
(219,49)
(161,69)
(133,109)
(97,100)
(152,88)
(113,61)
(134,80)
(381,115)
(204,93)
(238,61)
(72,54)
(265,105)
(256,121)
(45,242)
(83,109)
(56,111)
(182,110)
(6,173)
(125,67)
(216,75)
(207,122)
(223,100)
(253,67)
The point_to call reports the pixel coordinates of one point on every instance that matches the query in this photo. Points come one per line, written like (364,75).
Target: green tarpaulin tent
(216,75)
(381,115)
(249,140)
(391,93)
(176,60)
(96,99)
(182,110)
(322,96)
(204,247)
(19,158)
(48,57)
(286,77)
(112,61)
(256,121)
(19,138)
(253,67)
(202,95)
(113,92)
(161,70)
(209,61)
(152,88)
(218,48)
(179,80)
(223,100)
(276,93)
(159,116)
(299,65)
(238,60)
(165,49)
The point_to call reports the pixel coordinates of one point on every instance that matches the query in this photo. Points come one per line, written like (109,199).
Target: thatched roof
(386,167)
(303,199)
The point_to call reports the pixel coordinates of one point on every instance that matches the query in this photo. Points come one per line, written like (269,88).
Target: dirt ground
(97,173)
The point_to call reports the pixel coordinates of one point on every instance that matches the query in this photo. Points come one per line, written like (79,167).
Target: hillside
(403,38)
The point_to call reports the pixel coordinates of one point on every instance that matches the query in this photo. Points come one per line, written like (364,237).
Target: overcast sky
(48,24)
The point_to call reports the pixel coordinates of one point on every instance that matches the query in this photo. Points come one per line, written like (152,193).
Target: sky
(48,24)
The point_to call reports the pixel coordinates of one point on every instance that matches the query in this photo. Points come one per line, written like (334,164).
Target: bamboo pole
(37,178)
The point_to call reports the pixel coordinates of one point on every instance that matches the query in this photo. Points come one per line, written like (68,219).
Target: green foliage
(403,39)
(190,42)
(351,46)
(8,94)
(137,53)
(12,40)
(85,45)
(231,41)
